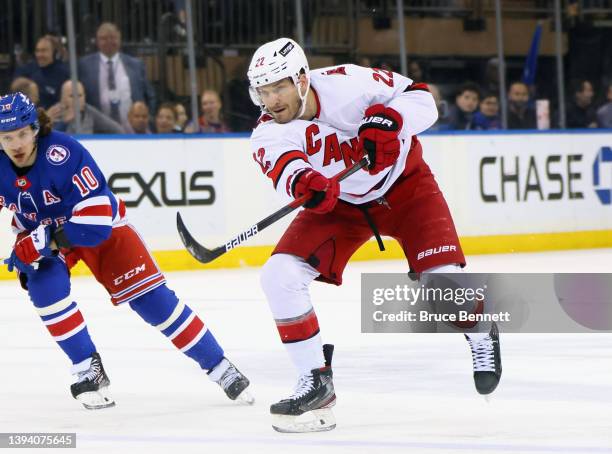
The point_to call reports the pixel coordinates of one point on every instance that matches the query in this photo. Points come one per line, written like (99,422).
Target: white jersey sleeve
(279,151)
(418,110)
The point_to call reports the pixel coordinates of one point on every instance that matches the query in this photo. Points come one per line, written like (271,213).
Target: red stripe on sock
(298,330)
(189,333)
(66,325)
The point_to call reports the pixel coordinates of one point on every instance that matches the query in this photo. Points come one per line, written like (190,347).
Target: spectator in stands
(364,61)
(383,64)
(466,102)
(604,113)
(165,119)
(180,10)
(92,120)
(443,111)
(114,80)
(138,119)
(520,114)
(487,116)
(415,71)
(580,109)
(181,116)
(47,70)
(26,86)
(211,119)
(490,81)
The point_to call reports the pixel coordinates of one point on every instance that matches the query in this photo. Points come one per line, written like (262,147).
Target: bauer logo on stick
(241,238)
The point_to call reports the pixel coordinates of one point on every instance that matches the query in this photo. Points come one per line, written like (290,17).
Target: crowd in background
(473,108)
(117,98)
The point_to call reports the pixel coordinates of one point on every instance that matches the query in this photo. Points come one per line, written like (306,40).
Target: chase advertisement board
(524,183)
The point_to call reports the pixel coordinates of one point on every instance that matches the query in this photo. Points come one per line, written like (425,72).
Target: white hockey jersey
(329,142)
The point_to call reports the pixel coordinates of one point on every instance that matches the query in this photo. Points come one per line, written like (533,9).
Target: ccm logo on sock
(436,250)
(130,274)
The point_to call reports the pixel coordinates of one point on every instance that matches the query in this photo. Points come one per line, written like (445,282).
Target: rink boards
(507,192)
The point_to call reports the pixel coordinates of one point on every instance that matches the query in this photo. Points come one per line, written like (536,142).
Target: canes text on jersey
(333,149)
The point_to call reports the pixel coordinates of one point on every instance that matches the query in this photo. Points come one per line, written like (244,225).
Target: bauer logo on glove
(380,120)
(378,136)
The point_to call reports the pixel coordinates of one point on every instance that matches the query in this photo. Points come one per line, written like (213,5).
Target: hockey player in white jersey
(314,125)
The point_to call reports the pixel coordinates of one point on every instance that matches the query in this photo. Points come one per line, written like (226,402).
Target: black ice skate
(308,409)
(232,381)
(91,387)
(486,358)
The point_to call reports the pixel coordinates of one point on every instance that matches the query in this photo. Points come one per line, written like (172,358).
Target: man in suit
(114,80)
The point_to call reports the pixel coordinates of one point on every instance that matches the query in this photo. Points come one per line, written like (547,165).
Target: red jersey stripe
(282,162)
(139,290)
(95,210)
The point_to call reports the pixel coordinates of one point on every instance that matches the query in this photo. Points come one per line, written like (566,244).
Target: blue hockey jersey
(63,187)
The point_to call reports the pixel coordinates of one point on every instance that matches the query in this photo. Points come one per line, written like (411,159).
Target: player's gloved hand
(13,262)
(378,136)
(325,191)
(34,246)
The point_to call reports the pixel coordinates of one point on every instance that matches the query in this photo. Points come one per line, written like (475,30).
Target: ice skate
(91,387)
(232,381)
(308,409)
(486,358)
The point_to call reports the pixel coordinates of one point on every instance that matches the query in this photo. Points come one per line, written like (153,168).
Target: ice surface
(396,392)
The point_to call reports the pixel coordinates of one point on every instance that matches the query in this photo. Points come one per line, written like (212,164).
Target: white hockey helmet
(275,61)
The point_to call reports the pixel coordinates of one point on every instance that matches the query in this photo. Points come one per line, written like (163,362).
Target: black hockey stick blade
(204,255)
(199,252)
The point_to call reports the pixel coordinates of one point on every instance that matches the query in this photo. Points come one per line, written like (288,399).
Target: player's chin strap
(302,98)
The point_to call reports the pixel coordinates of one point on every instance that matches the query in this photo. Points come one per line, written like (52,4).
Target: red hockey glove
(378,134)
(34,246)
(324,191)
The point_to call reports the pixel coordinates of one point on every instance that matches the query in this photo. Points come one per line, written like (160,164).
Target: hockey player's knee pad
(287,274)
(156,306)
(50,283)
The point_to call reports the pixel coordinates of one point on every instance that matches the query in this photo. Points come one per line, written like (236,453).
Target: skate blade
(96,400)
(320,420)
(245,397)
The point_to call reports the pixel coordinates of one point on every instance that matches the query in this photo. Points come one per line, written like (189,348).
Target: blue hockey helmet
(17,111)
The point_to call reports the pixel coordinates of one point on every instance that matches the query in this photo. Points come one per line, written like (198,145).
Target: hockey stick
(204,255)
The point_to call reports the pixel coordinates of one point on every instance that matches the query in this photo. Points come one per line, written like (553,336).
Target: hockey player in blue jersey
(63,212)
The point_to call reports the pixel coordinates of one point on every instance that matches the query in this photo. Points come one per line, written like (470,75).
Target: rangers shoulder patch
(57,154)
